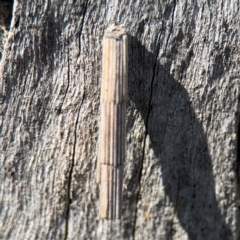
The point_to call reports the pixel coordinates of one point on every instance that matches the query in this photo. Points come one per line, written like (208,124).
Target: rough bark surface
(180,173)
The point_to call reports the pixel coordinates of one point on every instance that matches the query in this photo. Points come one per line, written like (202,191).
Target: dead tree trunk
(180,173)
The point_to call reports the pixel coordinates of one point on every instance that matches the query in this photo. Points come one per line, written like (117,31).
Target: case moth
(112,132)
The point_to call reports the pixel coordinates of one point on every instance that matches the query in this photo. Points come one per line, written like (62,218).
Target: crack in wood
(68,80)
(238,155)
(147,118)
(146,133)
(171,29)
(68,61)
(75,136)
(69,200)
(80,32)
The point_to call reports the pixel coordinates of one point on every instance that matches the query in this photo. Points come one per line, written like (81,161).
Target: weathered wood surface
(180,175)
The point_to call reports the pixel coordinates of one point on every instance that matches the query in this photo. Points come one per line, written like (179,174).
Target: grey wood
(180,173)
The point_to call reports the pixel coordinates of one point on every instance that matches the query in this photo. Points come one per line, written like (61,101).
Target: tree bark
(181,170)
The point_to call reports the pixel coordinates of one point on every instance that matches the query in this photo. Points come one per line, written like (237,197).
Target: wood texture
(112,131)
(180,178)
(5,20)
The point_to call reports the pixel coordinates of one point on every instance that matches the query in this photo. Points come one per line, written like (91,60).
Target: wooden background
(180,174)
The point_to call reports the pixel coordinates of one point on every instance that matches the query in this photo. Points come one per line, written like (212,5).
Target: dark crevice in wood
(238,165)
(171,29)
(238,149)
(69,199)
(16,24)
(139,175)
(75,135)
(68,79)
(147,118)
(80,32)
(238,156)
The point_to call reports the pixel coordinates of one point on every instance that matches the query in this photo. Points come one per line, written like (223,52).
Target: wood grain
(182,119)
(112,134)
